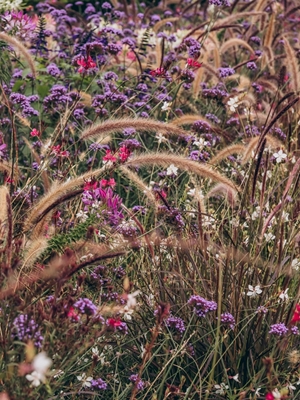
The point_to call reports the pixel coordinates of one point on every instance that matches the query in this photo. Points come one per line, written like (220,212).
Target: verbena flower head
(224,72)
(228,319)
(86,306)
(25,328)
(201,305)
(175,323)
(137,381)
(278,329)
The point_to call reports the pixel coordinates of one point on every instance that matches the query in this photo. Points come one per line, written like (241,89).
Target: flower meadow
(149,200)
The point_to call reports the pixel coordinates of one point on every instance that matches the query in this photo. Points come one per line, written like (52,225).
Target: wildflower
(158,72)
(110,182)
(85,64)
(224,72)
(172,170)
(235,378)
(201,305)
(193,63)
(35,132)
(161,138)
(254,291)
(86,380)
(228,319)
(278,329)
(221,389)
(137,381)
(269,236)
(295,264)
(114,323)
(124,153)
(109,157)
(284,296)
(296,315)
(72,314)
(131,299)
(86,306)
(166,106)
(99,384)
(251,65)
(25,329)
(280,156)
(294,330)
(41,363)
(175,323)
(233,103)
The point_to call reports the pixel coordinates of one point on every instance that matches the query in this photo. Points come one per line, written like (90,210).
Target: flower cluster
(201,305)
(25,328)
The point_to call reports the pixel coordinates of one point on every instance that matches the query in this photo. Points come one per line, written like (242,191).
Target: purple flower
(256,40)
(86,306)
(295,330)
(99,384)
(219,3)
(25,329)
(53,70)
(175,323)
(201,126)
(251,65)
(137,381)
(224,72)
(228,319)
(278,329)
(201,305)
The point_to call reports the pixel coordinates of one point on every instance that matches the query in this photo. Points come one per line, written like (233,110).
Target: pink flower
(158,72)
(57,151)
(110,182)
(114,323)
(85,64)
(269,396)
(193,63)
(124,153)
(109,157)
(296,315)
(35,132)
(72,314)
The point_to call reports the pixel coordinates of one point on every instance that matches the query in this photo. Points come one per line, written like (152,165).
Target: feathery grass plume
(229,194)
(5,167)
(85,98)
(56,194)
(292,175)
(268,85)
(166,159)
(44,174)
(163,22)
(5,225)
(32,252)
(270,31)
(139,183)
(235,42)
(22,49)
(292,65)
(117,125)
(267,59)
(238,16)
(23,120)
(271,141)
(215,49)
(233,149)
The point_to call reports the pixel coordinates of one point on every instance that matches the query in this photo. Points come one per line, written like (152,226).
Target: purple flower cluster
(175,323)
(25,329)
(294,330)
(278,329)
(220,3)
(224,72)
(137,381)
(99,384)
(251,65)
(216,92)
(99,274)
(201,126)
(201,305)
(53,70)
(228,319)
(86,306)
(24,103)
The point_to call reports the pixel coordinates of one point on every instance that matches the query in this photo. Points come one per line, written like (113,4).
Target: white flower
(269,236)
(58,373)
(291,387)
(172,170)
(276,394)
(127,313)
(236,378)
(82,215)
(95,351)
(131,299)
(35,378)
(255,214)
(221,388)
(254,291)
(295,264)
(257,392)
(285,216)
(166,106)
(284,296)
(10,5)
(86,381)
(161,138)
(40,364)
(233,103)
(200,143)
(280,156)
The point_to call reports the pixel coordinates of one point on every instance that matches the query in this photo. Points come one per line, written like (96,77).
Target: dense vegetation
(149,200)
